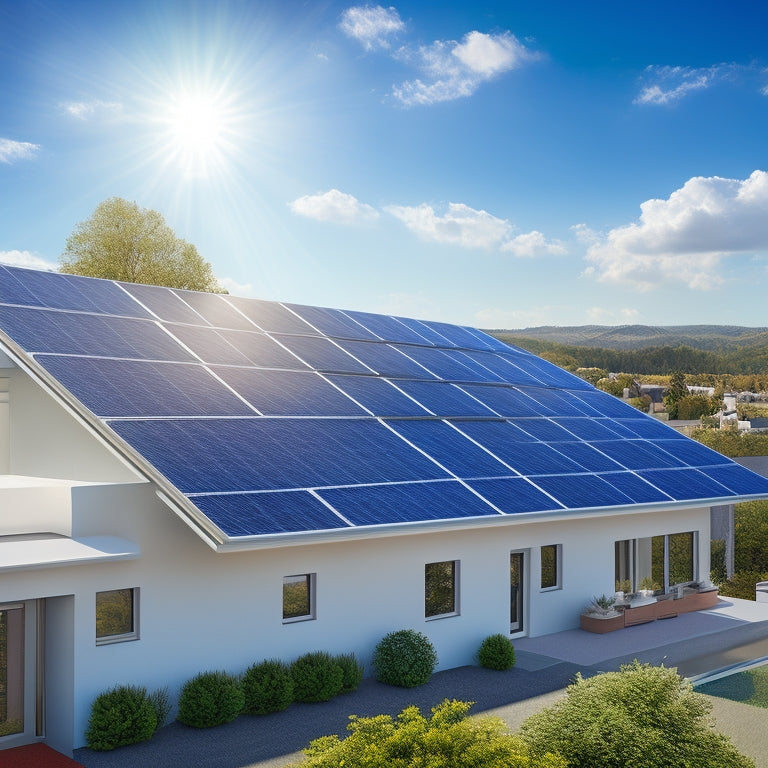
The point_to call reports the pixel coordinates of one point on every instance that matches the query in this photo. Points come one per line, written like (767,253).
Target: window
(550,566)
(657,563)
(440,594)
(298,597)
(117,616)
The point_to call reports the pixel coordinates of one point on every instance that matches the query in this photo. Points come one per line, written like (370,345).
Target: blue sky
(498,164)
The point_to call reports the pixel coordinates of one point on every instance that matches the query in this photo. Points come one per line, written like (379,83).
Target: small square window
(299,597)
(117,616)
(550,566)
(440,589)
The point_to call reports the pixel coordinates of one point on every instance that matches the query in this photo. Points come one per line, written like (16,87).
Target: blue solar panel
(637,454)
(738,479)
(553,376)
(544,429)
(12,291)
(274,454)
(506,401)
(692,453)
(514,494)
(379,396)
(382,504)
(111,388)
(452,449)
(446,365)
(332,322)
(444,399)
(271,317)
(486,341)
(423,329)
(214,308)
(504,369)
(587,457)
(582,491)
(288,393)
(608,405)
(457,335)
(43,330)
(253,514)
(388,328)
(649,428)
(385,360)
(263,351)
(164,303)
(685,484)
(207,344)
(322,354)
(550,402)
(640,491)
(588,429)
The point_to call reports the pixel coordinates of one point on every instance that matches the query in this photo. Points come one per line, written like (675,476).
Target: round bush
(406,658)
(267,687)
(353,672)
(496,652)
(120,716)
(211,698)
(316,677)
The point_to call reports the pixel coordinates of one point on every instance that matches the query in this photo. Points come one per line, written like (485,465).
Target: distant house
(195,481)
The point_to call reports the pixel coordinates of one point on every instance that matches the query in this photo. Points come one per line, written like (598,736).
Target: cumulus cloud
(685,238)
(371,25)
(235,288)
(666,85)
(11,150)
(533,244)
(26,259)
(452,70)
(86,110)
(334,206)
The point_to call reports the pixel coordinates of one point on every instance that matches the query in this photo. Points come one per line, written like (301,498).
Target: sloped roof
(260,420)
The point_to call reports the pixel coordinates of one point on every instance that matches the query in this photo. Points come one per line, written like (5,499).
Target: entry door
(12,644)
(517,591)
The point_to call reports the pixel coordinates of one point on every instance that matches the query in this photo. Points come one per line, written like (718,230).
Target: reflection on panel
(514,494)
(378,396)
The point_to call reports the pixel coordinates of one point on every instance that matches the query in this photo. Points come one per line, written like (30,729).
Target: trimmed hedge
(211,698)
(353,671)
(496,652)
(267,687)
(123,715)
(406,658)
(316,677)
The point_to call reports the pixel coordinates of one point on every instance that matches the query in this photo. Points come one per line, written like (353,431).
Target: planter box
(599,625)
(640,615)
(697,601)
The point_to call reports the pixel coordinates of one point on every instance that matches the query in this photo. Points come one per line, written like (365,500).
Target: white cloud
(461,225)
(371,25)
(85,110)
(26,259)
(334,206)
(670,84)
(533,244)
(235,288)
(16,150)
(685,238)
(453,70)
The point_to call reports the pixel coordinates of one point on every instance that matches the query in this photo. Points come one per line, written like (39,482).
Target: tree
(676,392)
(121,241)
(641,716)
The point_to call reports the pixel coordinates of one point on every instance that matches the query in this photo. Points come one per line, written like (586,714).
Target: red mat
(35,756)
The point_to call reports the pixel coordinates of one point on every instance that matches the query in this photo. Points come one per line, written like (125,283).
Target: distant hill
(711,338)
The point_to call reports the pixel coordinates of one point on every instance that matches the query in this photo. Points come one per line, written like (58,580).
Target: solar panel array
(274,418)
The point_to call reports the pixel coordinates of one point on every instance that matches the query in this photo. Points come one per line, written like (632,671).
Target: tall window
(440,593)
(117,616)
(298,597)
(550,566)
(657,563)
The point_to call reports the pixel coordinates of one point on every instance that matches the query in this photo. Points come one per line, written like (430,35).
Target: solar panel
(582,491)
(424,329)
(444,399)
(507,401)
(545,430)
(322,354)
(513,495)
(414,502)
(638,454)
(457,335)
(378,396)
(388,328)
(504,369)
(588,429)
(685,484)
(385,360)
(639,490)
(587,457)
(270,316)
(163,303)
(332,322)
(445,364)
(738,479)
(262,350)
(692,453)
(215,309)
(207,344)
(113,388)
(651,429)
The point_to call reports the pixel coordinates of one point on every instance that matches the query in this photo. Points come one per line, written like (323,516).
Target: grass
(748,687)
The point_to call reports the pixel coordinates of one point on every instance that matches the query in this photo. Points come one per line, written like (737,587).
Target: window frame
(455,579)
(119,637)
(311,581)
(558,567)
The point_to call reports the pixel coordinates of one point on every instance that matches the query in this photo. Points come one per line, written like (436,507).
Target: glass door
(517,591)
(11,669)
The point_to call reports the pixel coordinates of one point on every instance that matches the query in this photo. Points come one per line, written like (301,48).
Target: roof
(268,422)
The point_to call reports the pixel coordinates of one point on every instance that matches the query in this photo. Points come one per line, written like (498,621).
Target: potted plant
(601,616)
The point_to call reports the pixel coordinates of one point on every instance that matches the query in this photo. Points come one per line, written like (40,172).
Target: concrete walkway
(737,630)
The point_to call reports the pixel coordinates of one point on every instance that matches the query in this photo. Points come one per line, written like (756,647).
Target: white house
(193,481)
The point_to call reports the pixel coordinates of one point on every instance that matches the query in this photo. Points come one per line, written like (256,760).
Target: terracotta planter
(601,624)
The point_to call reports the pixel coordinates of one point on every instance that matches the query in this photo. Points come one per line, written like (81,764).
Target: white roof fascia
(32,552)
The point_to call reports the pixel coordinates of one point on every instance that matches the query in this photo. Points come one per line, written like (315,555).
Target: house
(194,481)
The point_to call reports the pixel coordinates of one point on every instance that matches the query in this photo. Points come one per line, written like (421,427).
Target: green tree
(676,392)
(121,241)
(641,716)
(447,739)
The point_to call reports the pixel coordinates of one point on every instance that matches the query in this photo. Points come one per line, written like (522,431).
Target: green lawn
(748,687)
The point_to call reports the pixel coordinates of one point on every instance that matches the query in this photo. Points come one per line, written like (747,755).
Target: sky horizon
(495,164)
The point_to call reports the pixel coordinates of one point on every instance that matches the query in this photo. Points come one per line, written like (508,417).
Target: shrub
(742,585)
(267,687)
(316,677)
(120,716)
(353,672)
(405,658)
(496,652)
(211,698)
(641,716)
(447,739)
(161,703)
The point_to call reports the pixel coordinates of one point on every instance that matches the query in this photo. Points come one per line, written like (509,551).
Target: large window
(298,597)
(657,563)
(117,616)
(550,566)
(440,589)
